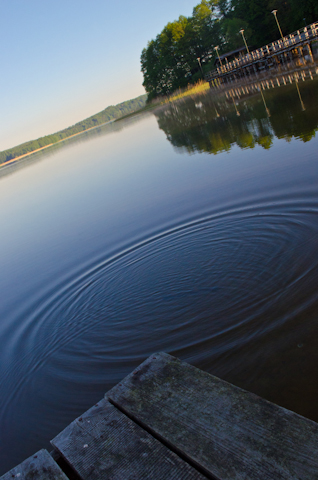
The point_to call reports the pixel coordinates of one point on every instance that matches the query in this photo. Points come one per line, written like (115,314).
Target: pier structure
(295,45)
(267,80)
(168,420)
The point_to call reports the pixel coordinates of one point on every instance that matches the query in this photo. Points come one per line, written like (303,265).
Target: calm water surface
(192,231)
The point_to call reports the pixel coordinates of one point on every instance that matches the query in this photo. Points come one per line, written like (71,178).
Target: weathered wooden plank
(105,444)
(39,466)
(231,433)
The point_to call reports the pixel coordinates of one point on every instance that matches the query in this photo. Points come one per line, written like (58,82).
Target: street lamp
(274,12)
(217,51)
(237,112)
(200,66)
(242,33)
(267,110)
(301,100)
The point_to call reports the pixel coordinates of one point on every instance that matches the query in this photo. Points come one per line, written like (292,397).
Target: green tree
(170,61)
(231,31)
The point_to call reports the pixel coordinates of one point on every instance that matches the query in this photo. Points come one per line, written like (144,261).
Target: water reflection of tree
(211,124)
(288,120)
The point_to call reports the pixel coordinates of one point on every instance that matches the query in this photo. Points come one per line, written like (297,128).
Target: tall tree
(171,60)
(174,58)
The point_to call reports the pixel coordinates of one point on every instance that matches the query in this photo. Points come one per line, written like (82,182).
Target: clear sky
(64,60)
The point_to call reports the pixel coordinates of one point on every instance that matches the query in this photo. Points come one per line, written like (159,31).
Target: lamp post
(217,51)
(267,110)
(199,61)
(301,100)
(237,112)
(242,33)
(274,12)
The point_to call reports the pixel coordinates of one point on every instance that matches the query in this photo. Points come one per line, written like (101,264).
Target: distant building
(230,55)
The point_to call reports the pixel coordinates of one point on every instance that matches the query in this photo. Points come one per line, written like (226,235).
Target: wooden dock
(170,420)
(282,51)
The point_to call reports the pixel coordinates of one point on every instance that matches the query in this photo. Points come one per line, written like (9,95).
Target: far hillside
(109,114)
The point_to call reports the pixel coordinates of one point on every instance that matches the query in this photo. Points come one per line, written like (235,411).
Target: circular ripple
(200,291)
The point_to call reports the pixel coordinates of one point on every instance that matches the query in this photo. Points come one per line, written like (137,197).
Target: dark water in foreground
(198,238)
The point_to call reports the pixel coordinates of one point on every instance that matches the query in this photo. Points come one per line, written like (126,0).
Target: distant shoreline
(25,155)
(106,116)
(4,164)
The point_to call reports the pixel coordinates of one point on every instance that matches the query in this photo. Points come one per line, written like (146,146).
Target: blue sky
(64,60)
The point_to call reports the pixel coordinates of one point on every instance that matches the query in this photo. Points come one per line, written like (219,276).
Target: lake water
(192,231)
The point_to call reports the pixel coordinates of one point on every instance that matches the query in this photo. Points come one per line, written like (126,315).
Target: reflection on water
(242,117)
(124,243)
(107,128)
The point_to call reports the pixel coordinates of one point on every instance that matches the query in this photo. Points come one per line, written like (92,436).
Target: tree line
(107,115)
(172,60)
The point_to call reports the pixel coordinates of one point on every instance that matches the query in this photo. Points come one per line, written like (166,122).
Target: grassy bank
(199,87)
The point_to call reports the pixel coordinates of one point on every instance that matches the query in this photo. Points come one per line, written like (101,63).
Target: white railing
(306,33)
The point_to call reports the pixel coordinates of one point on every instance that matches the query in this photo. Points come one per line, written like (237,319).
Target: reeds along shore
(199,87)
